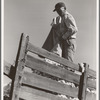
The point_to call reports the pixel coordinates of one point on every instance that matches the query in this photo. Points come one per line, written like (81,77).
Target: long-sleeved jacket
(62,27)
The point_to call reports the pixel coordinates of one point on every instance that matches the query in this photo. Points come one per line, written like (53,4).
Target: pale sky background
(33,17)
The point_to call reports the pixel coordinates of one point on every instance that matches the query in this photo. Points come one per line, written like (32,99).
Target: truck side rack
(36,79)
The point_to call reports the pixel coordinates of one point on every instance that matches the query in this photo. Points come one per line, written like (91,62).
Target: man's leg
(68,49)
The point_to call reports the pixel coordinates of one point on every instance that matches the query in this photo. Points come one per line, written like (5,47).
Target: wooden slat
(7,68)
(34,63)
(91,84)
(56,58)
(83,83)
(92,73)
(20,63)
(48,84)
(57,71)
(91,96)
(51,56)
(28,93)
(35,94)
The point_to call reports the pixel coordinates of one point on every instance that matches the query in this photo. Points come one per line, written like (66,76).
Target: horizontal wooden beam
(57,71)
(56,58)
(7,67)
(9,70)
(53,70)
(34,94)
(90,96)
(51,56)
(50,69)
(48,84)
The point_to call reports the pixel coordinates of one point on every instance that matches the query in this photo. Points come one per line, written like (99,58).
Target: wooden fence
(35,79)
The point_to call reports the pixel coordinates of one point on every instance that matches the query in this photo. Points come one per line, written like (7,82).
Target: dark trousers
(68,49)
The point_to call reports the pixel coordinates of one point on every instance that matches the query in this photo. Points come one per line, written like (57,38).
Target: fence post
(19,65)
(83,83)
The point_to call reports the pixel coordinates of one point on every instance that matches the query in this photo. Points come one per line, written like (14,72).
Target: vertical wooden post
(83,83)
(20,63)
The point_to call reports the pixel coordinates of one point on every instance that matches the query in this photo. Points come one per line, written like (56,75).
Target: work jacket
(64,26)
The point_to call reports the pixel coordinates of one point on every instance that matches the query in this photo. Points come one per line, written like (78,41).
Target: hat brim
(54,10)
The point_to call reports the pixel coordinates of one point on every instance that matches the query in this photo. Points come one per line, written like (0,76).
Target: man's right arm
(71,27)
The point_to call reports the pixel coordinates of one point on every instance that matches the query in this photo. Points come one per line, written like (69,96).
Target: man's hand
(64,37)
(54,22)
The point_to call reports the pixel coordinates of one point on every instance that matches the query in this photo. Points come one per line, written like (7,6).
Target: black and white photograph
(50,49)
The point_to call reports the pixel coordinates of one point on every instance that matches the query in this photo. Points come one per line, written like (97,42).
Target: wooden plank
(56,58)
(35,94)
(28,93)
(20,61)
(7,67)
(9,70)
(91,84)
(83,83)
(49,84)
(42,66)
(51,56)
(92,73)
(90,96)
(56,71)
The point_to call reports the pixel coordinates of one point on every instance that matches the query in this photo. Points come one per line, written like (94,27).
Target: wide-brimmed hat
(59,5)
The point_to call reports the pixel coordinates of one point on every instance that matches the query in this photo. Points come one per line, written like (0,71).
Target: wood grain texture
(7,67)
(45,67)
(20,63)
(35,94)
(56,58)
(83,83)
(49,84)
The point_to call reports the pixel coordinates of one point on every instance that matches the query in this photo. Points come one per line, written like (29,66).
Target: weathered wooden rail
(43,83)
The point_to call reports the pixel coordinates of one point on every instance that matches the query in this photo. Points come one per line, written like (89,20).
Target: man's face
(61,11)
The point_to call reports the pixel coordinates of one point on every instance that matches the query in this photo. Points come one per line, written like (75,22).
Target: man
(62,37)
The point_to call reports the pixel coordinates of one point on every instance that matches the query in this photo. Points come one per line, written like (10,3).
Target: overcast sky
(33,17)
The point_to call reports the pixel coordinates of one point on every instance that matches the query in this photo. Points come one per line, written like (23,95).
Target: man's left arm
(71,27)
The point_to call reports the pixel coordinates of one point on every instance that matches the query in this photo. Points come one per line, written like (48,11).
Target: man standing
(62,37)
